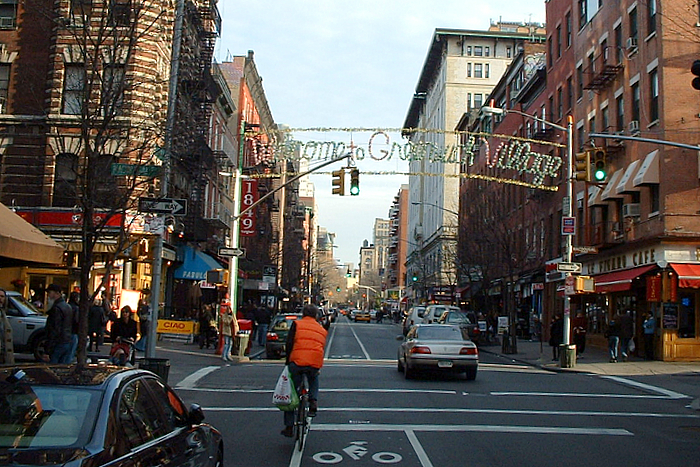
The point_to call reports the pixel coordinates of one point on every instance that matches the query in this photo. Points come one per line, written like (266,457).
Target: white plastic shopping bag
(285,396)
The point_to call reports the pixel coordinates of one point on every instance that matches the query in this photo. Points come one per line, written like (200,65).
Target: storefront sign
(169,326)
(670,317)
(628,260)
(654,289)
(249,195)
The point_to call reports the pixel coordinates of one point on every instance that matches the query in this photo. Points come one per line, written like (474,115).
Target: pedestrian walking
(649,330)
(263,317)
(229,328)
(59,327)
(626,333)
(580,328)
(556,336)
(74,302)
(144,313)
(613,335)
(96,323)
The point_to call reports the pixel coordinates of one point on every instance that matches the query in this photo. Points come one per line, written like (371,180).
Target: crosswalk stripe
(476,428)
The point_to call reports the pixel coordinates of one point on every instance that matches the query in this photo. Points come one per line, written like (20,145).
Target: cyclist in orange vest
(306,344)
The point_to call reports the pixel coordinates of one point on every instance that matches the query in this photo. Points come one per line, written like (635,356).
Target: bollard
(567,354)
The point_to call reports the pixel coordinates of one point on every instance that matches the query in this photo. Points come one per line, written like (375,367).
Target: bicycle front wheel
(302,421)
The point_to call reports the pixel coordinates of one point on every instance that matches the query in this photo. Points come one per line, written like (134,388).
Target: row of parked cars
(439,337)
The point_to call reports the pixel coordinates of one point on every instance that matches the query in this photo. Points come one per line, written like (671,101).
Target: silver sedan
(438,347)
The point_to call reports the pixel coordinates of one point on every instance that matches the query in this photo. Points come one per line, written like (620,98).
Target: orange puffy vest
(309,343)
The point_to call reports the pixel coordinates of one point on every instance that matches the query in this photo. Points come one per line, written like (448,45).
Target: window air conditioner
(631,210)
(634,126)
(631,44)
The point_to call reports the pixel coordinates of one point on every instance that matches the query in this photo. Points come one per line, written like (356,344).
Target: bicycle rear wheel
(302,413)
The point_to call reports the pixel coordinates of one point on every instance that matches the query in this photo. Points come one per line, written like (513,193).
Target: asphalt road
(512,415)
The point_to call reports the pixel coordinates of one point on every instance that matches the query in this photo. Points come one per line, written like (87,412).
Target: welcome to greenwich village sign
(512,153)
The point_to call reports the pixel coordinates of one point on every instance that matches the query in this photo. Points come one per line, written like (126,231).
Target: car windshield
(42,416)
(22,305)
(458,318)
(440,333)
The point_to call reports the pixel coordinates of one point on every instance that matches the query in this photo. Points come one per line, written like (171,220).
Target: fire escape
(601,72)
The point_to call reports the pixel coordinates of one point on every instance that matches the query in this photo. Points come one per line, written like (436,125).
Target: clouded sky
(350,63)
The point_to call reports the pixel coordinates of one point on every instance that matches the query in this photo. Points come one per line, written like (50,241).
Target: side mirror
(399,337)
(195,415)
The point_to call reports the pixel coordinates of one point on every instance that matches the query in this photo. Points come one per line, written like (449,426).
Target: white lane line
(330,343)
(556,430)
(338,390)
(190,381)
(412,410)
(364,351)
(576,394)
(418,448)
(648,387)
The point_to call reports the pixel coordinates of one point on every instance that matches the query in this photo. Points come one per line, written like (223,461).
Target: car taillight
(477,330)
(469,351)
(272,336)
(420,349)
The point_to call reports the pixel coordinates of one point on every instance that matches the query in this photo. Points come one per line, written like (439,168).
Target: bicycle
(301,423)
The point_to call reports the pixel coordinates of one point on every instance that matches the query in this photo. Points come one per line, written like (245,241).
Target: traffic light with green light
(582,166)
(339,182)
(355,182)
(600,165)
(415,278)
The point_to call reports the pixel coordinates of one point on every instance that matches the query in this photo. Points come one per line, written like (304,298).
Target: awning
(609,191)
(195,264)
(619,281)
(648,173)
(20,240)
(688,275)
(594,197)
(625,185)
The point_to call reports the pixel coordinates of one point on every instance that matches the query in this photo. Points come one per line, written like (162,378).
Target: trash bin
(241,343)
(159,366)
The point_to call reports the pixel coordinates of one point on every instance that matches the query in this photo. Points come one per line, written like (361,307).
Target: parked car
(28,325)
(441,347)
(99,415)
(414,316)
(433,312)
(325,317)
(276,345)
(463,319)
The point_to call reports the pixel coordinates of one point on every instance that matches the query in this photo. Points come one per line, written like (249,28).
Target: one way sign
(176,207)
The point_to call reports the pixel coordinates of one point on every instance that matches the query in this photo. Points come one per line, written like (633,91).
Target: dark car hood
(43,456)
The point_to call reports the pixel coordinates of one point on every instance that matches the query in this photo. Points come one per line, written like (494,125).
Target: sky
(350,64)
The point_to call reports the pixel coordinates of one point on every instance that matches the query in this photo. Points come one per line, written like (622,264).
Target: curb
(542,366)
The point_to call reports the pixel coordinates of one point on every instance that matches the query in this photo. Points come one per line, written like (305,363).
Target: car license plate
(444,364)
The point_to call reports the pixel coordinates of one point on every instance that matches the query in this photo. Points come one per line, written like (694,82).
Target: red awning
(688,275)
(619,281)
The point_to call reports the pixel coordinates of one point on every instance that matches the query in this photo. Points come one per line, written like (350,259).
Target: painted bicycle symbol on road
(355,451)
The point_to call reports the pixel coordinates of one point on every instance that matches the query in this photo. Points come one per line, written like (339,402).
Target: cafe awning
(688,275)
(20,241)
(195,264)
(619,281)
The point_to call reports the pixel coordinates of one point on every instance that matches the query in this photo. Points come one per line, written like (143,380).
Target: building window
(112,90)
(568,30)
(4,85)
(618,43)
(486,70)
(509,52)
(478,101)
(686,316)
(654,95)
(620,112)
(80,8)
(654,198)
(605,119)
(550,54)
(634,31)
(560,103)
(478,51)
(591,125)
(469,70)
(569,93)
(582,13)
(469,50)
(8,14)
(65,190)
(106,192)
(469,101)
(478,70)
(120,13)
(635,101)
(73,89)
(487,51)
(651,19)
(579,82)
(558,41)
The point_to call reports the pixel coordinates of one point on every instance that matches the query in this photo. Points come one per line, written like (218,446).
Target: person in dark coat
(626,333)
(263,317)
(74,302)
(613,335)
(123,335)
(556,336)
(59,327)
(96,321)
(580,328)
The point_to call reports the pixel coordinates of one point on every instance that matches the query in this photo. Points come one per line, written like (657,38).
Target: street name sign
(569,267)
(176,207)
(585,250)
(231,251)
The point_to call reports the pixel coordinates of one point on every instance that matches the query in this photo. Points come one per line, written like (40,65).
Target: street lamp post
(568,354)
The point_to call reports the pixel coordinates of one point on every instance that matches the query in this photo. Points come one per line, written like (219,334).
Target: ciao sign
(169,326)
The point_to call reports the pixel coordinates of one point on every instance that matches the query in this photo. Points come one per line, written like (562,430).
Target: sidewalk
(594,360)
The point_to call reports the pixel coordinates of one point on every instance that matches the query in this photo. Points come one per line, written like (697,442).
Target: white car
(28,325)
(434,312)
